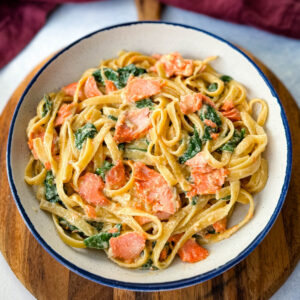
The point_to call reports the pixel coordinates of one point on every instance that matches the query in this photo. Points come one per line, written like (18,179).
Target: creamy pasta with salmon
(148,157)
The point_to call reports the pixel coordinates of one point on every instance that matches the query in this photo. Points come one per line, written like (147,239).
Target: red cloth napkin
(20,20)
(278,16)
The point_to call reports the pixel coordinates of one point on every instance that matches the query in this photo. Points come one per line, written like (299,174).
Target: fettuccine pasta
(147,157)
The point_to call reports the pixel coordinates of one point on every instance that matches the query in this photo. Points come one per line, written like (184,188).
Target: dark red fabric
(20,20)
(278,16)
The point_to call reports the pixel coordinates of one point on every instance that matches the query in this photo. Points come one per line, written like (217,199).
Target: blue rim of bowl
(163,285)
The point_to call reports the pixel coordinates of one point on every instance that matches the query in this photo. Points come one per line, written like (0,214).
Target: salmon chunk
(230,111)
(132,125)
(115,178)
(192,252)
(193,102)
(151,187)
(220,226)
(199,163)
(63,113)
(208,183)
(190,103)
(127,246)
(90,189)
(206,179)
(138,88)
(70,89)
(91,88)
(174,64)
(109,87)
(142,220)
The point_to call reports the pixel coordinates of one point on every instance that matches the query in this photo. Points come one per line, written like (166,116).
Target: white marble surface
(71,21)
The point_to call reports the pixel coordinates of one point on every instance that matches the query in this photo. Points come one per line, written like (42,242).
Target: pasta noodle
(147,157)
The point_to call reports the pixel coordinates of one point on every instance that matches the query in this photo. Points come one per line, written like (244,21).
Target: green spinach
(119,77)
(194,147)
(66,225)
(104,169)
(208,112)
(211,230)
(148,265)
(226,78)
(237,137)
(121,146)
(112,117)
(226,198)
(144,103)
(101,240)
(50,188)
(97,225)
(213,87)
(194,200)
(47,105)
(125,72)
(87,131)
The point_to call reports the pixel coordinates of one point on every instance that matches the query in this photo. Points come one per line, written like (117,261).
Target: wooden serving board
(256,277)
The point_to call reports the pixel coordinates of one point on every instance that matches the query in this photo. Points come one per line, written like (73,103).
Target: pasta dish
(148,157)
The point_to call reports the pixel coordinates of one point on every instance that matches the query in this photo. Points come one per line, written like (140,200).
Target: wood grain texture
(256,277)
(148,10)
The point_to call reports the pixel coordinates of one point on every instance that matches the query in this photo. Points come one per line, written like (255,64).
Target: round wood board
(256,277)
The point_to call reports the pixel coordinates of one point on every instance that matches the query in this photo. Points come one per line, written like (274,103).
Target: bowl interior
(151,38)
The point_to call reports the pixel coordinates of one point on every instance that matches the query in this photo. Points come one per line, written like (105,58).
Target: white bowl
(151,37)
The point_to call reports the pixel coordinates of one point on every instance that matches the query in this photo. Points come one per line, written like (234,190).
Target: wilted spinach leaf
(144,103)
(213,87)
(66,225)
(208,131)
(226,78)
(119,77)
(148,265)
(50,187)
(97,225)
(208,112)
(234,141)
(104,169)
(87,131)
(47,105)
(194,200)
(121,146)
(112,117)
(125,72)
(195,146)
(101,240)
